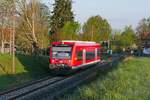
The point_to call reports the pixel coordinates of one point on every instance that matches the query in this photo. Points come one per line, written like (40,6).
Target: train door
(95,53)
(78,58)
(84,56)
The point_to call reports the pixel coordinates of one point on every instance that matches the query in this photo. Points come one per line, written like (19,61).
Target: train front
(60,56)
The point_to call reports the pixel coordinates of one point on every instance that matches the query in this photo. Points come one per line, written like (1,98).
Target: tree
(6,9)
(70,31)
(32,31)
(61,14)
(116,41)
(144,26)
(96,29)
(128,36)
(143,30)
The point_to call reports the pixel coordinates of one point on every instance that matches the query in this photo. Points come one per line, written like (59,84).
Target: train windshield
(61,52)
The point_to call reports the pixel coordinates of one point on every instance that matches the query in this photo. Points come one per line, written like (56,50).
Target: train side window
(79,55)
(90,55)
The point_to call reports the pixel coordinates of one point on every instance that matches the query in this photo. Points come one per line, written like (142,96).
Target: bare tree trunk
(35,45)
(2,48)
(33,20)
(33,27)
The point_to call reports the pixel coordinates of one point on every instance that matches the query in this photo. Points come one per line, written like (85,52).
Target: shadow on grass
(9,81)
(35,66)
(28,68)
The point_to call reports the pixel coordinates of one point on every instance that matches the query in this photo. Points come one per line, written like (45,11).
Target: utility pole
(10,42)
(13,37)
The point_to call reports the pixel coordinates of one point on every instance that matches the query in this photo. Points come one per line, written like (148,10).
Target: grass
(130,80)
(28,68)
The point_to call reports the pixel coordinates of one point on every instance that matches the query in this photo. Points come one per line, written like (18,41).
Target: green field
(130,80)
(27,68)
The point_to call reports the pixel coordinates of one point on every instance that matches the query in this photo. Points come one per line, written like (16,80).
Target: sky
(119,13)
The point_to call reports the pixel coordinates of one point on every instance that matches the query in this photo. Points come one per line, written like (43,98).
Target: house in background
(145,43)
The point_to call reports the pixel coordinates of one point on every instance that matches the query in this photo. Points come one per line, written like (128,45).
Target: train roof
(72,42)
(82,42)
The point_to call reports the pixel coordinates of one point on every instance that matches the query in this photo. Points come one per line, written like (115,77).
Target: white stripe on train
(75,67)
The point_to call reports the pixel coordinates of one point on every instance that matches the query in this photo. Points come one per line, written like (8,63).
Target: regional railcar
(71,55)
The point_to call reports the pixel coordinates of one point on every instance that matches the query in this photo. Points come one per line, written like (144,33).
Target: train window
(61,52)
(79,55)
(90,55)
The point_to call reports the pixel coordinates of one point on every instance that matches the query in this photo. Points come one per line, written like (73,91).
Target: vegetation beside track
(28,68)
(130,80)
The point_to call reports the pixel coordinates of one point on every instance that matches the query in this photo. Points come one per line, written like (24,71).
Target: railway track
(21,92)
(49,88)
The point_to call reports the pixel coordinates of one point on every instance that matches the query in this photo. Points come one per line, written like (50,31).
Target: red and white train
(71,55)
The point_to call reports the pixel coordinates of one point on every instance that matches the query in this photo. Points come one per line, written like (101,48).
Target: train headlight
(60,61)
(76,59)
(69,61)
(52,61)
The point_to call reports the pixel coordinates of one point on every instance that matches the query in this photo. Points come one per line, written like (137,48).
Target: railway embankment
(28,68)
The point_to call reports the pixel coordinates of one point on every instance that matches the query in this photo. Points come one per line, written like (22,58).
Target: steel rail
(24,90)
